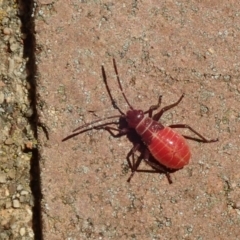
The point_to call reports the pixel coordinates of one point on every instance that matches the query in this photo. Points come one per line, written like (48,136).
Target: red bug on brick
(168,148)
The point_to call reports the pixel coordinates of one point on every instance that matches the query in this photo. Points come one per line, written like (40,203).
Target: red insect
(164,149)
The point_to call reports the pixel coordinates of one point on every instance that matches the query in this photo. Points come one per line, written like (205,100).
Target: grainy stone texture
(161,47)
(17,127)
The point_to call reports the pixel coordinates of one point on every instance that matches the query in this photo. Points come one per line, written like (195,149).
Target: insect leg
(202,139)
(157,167)
(158,115)
(154,107)
(134,166)
(145,156)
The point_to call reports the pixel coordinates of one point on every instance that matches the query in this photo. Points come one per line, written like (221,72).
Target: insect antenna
(120,85)
(109,92)
(96,121)
(86,129)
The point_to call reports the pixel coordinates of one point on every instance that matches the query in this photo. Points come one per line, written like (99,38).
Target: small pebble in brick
(22,231)
(7,31)
(16,203)
(24,193)
(3,178)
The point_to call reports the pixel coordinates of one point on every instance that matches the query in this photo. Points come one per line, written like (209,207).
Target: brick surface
(161,48)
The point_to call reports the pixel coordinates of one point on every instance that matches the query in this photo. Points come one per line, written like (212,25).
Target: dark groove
(28,26)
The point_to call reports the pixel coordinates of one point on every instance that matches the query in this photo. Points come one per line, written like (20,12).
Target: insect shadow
(165,150)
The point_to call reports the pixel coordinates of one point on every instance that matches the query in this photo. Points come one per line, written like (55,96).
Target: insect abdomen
(167,146)
(170,148)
